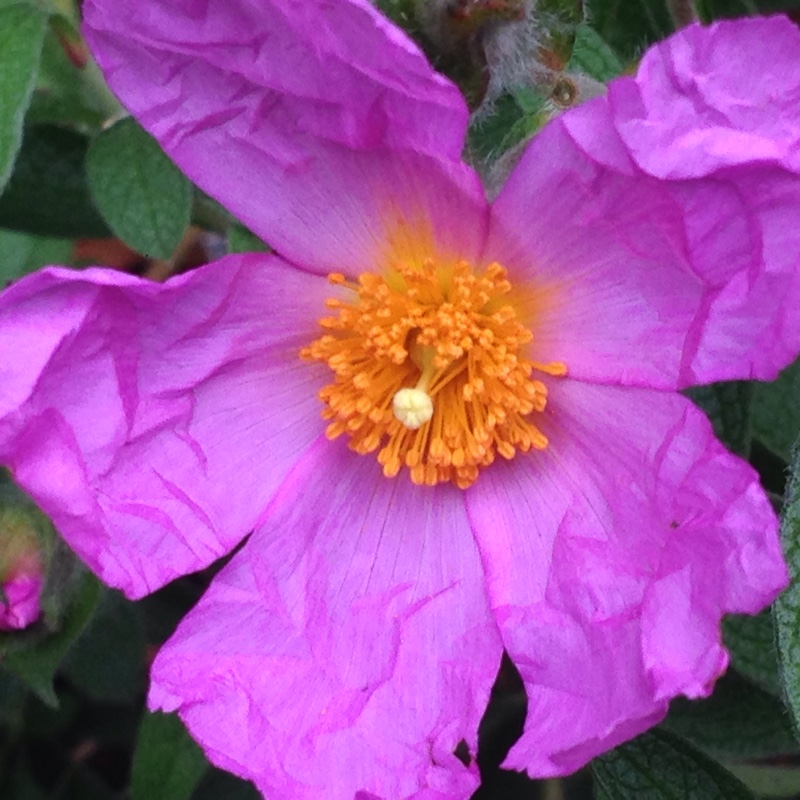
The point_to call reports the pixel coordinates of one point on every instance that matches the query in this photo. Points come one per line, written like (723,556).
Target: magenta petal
(610,560)
(347,648)
(301,118)
(712,97)
(152,422)
(662,280)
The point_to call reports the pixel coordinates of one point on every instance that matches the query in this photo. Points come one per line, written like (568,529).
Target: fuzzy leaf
(776,411)
(787,606)
(659,766)
(592,55)
(767,780)
(145,199)
(738,721)
(167,764)
(47,194)
(22,29)
(751,642)
(515,117)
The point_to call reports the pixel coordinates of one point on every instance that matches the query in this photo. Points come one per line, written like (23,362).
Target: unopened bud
(21,571)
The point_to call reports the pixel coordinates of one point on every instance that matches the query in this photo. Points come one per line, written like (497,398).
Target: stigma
(412,407)
(431,371)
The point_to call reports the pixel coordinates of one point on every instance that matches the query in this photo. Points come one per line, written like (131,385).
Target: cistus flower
(453,427)
(21,572)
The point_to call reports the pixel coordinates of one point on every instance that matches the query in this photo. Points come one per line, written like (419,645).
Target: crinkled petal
(153,422)
(610,559)
(312,122)
(713,97)
(663,280)
(348,647)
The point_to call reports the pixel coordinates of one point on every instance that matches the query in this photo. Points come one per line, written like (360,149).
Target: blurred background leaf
(22,29)
(68,93)
(48,194)
(167,764)
(36,654)
(107,662)
(23,253)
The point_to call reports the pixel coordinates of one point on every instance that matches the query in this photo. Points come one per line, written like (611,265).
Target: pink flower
(646,241)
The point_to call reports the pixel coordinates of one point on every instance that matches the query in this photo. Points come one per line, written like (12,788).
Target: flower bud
(21,571)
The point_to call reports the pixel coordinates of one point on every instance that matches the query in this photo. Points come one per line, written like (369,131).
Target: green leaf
(47,194)
(728,406)
(217,784)
(167,764)
(767,780)
(145,199)
(751,642)
(35,657)
(659,766)
(738,721)
(630,25)
(12,701)
(64,93)
(514,118)
(23,253)
(22,29)
(776,411)
(714,9)
(592,55)
(558,20)
(22,784)
(787,606)
(83,783)
(107,662)
(242,240)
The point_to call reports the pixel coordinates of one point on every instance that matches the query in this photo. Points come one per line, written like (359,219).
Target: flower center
(429,370)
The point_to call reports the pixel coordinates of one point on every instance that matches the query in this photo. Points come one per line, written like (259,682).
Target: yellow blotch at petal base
(429,371)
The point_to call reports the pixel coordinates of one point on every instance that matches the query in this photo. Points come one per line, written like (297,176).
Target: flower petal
(301,118)
(712,97)
(154,422)
(347,647)
(659,278)
(610,559)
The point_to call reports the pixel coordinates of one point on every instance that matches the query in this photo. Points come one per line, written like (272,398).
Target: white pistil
(413,407)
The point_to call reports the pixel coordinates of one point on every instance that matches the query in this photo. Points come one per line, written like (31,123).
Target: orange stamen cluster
(450,334)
